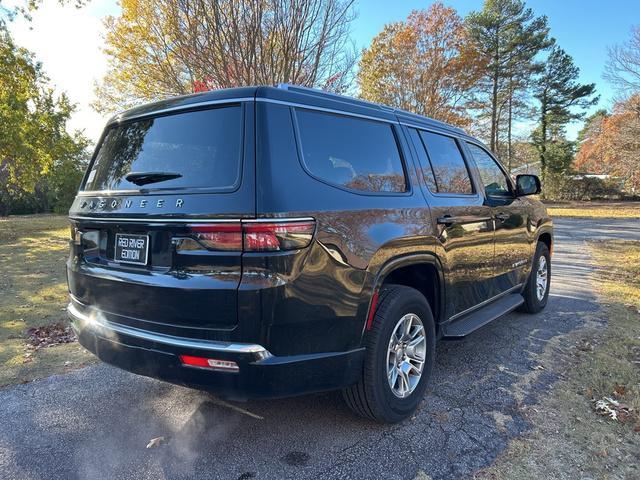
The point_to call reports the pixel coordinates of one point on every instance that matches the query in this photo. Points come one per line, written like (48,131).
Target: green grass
(33,250)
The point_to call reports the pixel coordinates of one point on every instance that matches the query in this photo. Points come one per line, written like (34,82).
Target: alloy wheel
(542,278)
(406,355)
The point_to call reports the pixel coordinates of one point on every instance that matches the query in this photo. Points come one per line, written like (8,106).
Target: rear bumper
(260,374)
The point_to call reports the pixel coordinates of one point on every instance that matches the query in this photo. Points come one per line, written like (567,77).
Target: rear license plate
(132,248)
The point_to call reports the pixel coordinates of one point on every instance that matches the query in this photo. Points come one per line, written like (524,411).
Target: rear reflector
(255,236)
(372,310)
(209,363)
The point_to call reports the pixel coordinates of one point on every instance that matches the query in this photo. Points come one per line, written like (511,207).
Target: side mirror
(527,185)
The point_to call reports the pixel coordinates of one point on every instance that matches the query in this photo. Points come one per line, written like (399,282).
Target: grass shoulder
(594,209)
(35,341)
(588,426)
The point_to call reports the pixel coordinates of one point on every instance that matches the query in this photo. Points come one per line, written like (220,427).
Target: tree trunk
(509,121)
(543,136)
(494,112)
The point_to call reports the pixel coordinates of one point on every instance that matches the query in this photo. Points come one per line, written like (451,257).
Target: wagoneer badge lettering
(101,204)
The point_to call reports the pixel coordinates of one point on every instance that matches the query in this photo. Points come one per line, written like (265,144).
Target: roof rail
(343,98)
(357,101)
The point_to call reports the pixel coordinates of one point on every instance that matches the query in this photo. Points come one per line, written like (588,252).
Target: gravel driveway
(96,422)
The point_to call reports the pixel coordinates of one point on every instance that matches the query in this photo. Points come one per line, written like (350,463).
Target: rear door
(512,246)
(463,222)
(158,219)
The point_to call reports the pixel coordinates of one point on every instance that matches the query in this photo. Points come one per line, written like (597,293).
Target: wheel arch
(413,270)
(546,236)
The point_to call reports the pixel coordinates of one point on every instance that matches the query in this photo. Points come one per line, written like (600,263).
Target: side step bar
(478,318)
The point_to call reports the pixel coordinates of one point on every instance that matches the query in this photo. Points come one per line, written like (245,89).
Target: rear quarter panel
(319,298)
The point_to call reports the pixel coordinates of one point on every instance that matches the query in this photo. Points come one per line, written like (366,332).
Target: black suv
(267,242)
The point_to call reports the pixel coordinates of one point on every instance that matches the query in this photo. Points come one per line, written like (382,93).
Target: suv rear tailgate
(163,279)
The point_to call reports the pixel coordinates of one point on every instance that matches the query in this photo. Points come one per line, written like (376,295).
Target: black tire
(372,397)
(532,303)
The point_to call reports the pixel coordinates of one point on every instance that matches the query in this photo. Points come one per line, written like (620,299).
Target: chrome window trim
(441,131)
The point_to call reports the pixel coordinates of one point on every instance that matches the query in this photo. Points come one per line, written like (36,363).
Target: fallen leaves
(585,346)
(50,335)
(156,442)
(613,409)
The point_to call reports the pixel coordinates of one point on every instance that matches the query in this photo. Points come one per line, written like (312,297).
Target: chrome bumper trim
(82,321)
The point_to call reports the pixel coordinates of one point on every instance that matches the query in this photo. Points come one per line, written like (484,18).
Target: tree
(509,37)
(425,65)
(33,135)
(559,95)
(611,144)
(623,66)
(159,48)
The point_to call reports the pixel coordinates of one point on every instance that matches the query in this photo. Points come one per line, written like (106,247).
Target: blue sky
(583,29)
(68,41)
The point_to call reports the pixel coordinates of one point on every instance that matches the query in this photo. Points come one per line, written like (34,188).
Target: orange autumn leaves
(425,64)
(611,144)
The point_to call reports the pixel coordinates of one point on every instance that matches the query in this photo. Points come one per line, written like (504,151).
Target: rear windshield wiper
(144,178)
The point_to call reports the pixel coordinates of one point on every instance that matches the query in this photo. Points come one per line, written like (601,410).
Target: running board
(478,318)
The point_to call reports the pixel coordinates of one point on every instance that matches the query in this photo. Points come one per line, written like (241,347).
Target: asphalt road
(97,421)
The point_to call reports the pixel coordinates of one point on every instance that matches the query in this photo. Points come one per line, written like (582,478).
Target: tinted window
(448,165)
(203,147)
(493,178)
(425,165)
(351,152)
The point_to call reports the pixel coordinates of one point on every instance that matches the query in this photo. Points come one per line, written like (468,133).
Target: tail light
(269,237)
(219,237)
(255,236)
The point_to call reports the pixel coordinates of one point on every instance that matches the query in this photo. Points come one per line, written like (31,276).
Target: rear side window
(449,169)
(201,148)
(350,152)
(425,166)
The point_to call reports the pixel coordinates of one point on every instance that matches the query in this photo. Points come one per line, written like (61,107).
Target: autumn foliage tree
(611,144)
(424,64)
(160,48)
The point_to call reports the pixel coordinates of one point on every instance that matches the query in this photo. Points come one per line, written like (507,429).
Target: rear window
(202,148)
(350,152)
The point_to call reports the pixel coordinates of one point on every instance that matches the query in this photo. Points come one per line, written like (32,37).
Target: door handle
(503,217)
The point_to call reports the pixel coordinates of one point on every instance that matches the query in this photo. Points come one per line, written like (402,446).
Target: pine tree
(559,95)
(509,37)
